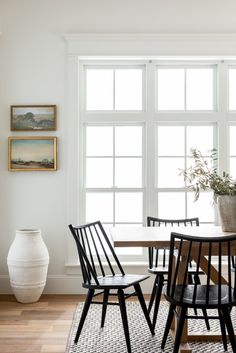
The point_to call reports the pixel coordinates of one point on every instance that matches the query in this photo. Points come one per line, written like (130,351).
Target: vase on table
(227,212)
(28,261)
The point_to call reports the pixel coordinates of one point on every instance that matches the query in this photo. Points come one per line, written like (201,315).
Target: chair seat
(163,270)
(200,296)
(116,282)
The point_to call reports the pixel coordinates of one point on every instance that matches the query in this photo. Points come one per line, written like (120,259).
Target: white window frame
(112,118)
(183,189)
(230,124)
(113,66)
(146,118)
(113,189)
(219,49)
(185,66)
(230,66)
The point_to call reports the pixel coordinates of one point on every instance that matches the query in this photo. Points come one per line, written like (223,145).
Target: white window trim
(183,189)
(86,64)
(230,66)
(187,65)
(171,46)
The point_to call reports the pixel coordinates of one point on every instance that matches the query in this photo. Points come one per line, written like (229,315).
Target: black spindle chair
(158,264)
(103,272)
(220,296)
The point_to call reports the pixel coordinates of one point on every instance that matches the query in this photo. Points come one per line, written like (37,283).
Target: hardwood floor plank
(41,327)
(53,349)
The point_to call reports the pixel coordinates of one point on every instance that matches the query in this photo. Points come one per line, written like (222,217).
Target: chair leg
(180,326)
(84,313)
(123,312)
(104,306)
(143,306)
(158,299)
(204,311)
(228,322)
(190,281)
(154,289)
(168,325)
(223,331)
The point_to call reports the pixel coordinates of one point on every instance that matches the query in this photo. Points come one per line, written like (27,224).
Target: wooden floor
(42,327)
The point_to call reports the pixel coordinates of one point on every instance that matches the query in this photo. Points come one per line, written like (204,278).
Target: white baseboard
(62,284)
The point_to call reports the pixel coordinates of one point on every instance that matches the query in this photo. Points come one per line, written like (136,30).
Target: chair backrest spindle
(215,250)
(154,253)
(96,254)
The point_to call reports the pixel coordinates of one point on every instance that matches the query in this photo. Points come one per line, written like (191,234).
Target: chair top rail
(204,238)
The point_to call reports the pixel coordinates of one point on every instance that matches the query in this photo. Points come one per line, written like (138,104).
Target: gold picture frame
(32,153)
(33,117)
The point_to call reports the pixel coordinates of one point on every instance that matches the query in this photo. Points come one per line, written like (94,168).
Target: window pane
(99,89)
(200,137)
(129,207)
(99,206)
(190,162)
(232,89)
(168,172)
(171,205)
(128,141)
(99,141)
(232,140)
(128,89)
(170,89)
(232,169)
(202,208)
(99,172)
(199,89)
(128,172)
(170,140)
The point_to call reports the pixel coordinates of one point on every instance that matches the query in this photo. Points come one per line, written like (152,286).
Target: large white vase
(28,261)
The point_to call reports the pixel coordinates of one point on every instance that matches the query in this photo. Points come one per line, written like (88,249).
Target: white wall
(33,71)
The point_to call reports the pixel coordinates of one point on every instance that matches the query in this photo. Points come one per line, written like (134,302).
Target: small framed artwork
(33,117)
(32,153)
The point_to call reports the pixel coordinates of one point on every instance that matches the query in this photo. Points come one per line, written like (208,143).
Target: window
(232,88)
(185,89)
(232,151)
(114,89)
(138,122)
(114,175)
(173,154)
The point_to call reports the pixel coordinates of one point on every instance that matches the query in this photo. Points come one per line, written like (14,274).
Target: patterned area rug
(111,338)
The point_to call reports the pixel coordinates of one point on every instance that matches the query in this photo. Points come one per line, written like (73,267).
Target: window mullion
(185,89)
(114,176)
(185,166)
(114,87)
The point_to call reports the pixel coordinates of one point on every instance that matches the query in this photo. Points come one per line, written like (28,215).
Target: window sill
(75,268)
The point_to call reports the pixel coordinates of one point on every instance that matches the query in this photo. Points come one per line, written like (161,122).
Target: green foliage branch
(202,175)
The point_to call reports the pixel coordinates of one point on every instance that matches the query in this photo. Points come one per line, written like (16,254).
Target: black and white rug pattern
(111,338)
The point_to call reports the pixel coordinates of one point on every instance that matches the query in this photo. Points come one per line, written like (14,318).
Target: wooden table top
(159,236)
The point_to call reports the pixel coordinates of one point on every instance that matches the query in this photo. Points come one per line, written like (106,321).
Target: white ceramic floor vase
(28,261)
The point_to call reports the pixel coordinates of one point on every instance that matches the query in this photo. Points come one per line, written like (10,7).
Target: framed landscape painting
(33,117)
(32,153)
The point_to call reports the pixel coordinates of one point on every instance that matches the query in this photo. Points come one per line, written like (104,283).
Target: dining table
(159,237)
